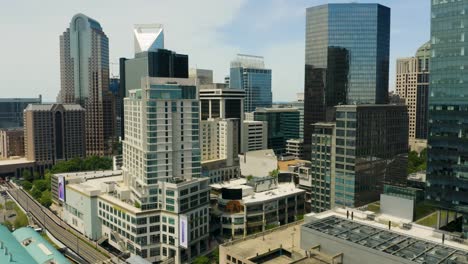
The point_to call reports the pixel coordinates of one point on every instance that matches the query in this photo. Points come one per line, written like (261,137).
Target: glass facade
(447,171)
(283,124)
(371,149)
(11,110)
(257,86)
(346,59)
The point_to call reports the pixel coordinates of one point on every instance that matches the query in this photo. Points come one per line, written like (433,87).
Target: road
(57,227)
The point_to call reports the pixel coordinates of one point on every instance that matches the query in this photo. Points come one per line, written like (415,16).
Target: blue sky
(211,32)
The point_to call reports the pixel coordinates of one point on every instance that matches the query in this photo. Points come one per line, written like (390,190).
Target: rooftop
(15,161)
(90,174)
(286,238)
(283,189)
(415,243)
(93,187)
(25,245)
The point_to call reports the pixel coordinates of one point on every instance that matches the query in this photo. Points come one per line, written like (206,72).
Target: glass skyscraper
(249,73)
(346,59)
(447,171)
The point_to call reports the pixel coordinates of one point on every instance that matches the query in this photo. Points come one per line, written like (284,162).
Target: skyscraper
(53,132)
(447,168)
(249,73)
(340,67)
(84,72)
(412,77)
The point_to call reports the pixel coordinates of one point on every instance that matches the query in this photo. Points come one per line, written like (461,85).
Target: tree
(274,173)
(201,260)
(21,219)
(41,185)
(249,178)
(215,255)
(27,185)
(46,199)
(27,175)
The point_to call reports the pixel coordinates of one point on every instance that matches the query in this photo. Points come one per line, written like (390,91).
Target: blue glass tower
(346,59)
(249,73)
(447,171)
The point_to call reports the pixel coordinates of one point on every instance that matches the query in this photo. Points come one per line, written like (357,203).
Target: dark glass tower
(346,60)
(447,171)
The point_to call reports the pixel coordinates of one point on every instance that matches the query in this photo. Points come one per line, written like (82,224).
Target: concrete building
(61,180)
(218,101)
(254,136)
(54,132)
(295,148)
(11,111)
(412,85)
(202,76)
(249,74)
(247,206)
(84,75)
(283,124)
(11,143)
(25,245)
(258,163)
(355,156)
(299,105)
(102,209)
(357,238)
(14,167)
(219,142)
(278,245)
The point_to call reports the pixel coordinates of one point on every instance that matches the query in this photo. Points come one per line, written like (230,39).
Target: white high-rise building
(254,135)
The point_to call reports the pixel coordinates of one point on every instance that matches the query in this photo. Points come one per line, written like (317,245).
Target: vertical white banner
(183,234)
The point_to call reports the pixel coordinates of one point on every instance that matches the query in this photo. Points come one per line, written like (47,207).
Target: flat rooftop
(418,244)
(90,174)
(5,162)
(285,237)
(284,189)
(235,183)
(93,186)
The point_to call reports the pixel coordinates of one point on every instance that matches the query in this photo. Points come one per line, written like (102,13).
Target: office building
(219,142)
(351,236)
(11,110)
(249,73)
(448,105)
(412,85)
(101,207)
(25,245)
(320,180)
(249,206)
(355,156)
(84,74)
(283,124)
(371,149)
(219,101)
(157,63)
(295,148)
(202,76)
(54,132)
(341,68)
(117,106)
(11,143)
(254,136)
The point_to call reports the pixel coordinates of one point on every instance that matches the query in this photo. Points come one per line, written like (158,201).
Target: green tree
(27,185)
(215,256)
(41,185)
(274,173)
(36,193)
(21,219)
(46,199)
(27,175)
(201,260)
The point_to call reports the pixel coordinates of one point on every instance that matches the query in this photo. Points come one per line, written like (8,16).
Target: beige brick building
(54,132)
(11,142)
(412,85)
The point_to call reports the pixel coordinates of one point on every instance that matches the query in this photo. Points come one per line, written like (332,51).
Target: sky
(211,32)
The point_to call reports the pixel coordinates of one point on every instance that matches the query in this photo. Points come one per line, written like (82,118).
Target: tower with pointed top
(148,37)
